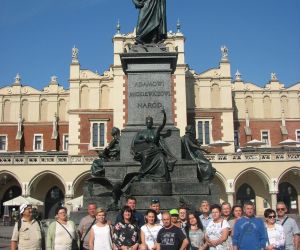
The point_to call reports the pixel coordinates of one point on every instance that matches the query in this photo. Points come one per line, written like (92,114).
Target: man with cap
(174,217)
(27,233)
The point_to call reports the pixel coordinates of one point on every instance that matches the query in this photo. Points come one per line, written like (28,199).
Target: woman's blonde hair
(100,210)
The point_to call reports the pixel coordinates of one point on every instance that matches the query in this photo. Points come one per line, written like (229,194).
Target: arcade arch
(253,184)
(79,183)
(9,188)
(48,187)
(289,189)
(219,181)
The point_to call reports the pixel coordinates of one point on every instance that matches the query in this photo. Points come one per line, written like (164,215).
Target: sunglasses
(154,201)
(272,217)
(280,209)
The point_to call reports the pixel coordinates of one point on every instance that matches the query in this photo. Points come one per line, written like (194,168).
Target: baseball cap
(174,212)
(23,207)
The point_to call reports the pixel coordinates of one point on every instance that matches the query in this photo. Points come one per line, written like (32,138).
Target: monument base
(151,188)
(184,188)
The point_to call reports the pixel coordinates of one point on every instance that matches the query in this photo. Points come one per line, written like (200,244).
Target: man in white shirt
(290,227)
(27,233)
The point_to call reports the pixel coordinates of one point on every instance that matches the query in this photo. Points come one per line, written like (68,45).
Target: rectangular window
(98,134)
(38,142)
(236,139)
(265,137)
(65,142)
(298,136)
(3,142)
(203,131)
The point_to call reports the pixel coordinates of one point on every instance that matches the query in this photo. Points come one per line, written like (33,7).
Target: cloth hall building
(49,137)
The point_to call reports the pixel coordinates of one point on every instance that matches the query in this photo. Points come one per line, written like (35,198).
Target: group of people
(213,227)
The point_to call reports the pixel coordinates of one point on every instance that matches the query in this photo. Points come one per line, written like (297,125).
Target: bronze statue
(152,21)
(191,150)
(110,153)
(114,189)
(149,149)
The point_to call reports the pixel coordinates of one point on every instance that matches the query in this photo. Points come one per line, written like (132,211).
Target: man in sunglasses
(290,227)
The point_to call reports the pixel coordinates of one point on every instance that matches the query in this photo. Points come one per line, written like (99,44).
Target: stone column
(69,196)
(273,200)
(25,189)
(230,198)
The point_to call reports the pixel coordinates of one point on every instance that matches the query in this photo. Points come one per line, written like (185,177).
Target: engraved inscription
(153,105)
(149,93)
(149,84)
(152,91)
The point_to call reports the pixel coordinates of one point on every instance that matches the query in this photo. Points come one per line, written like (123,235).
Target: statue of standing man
(152,21)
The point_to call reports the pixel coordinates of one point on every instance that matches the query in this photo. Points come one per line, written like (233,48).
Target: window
(65,142)
(38,142)
(98,134)
(203,131)
(298,135)
(3,142)
(265,137)
(236,139)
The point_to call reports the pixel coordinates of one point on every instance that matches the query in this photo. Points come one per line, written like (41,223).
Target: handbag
(74,245)
(227,244)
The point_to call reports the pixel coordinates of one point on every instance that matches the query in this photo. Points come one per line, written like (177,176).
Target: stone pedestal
(151,189)
(149,90)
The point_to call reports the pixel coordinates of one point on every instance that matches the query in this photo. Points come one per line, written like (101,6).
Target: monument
(151,159)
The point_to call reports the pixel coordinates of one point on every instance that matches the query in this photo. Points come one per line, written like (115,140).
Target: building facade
(49,137)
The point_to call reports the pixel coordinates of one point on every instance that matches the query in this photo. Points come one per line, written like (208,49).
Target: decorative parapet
(82,160)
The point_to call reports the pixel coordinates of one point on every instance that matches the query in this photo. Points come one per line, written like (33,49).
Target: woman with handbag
(217,231)
(194,232)
(100,235)
(149,231)
(276,236)
(61,233)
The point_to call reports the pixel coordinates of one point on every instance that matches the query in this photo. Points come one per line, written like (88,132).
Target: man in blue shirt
(249,231)
(138,217)
(205,216)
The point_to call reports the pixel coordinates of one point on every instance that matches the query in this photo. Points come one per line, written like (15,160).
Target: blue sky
(36,36)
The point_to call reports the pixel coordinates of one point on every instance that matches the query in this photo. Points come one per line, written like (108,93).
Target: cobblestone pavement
(5,235)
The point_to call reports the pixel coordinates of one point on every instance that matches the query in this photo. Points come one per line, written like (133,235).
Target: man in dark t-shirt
(170,237)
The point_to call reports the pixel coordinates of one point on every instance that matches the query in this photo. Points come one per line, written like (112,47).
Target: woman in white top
(276,237)
(100,235)
(149,231)
(217,230)
(61,233)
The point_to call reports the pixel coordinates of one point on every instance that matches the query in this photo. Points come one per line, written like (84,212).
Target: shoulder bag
(74,242)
